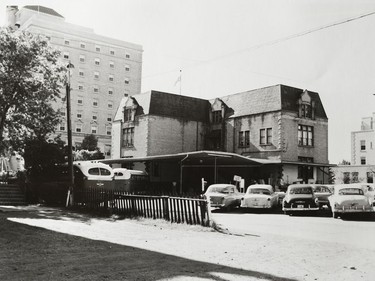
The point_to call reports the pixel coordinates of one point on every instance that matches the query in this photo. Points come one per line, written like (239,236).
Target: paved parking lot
(355,230)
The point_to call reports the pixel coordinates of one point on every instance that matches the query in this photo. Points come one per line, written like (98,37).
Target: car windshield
(259,191)
(351,191)
(220,189)
(301,190)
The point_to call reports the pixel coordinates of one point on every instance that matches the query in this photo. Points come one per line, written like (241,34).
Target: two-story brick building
(281,130)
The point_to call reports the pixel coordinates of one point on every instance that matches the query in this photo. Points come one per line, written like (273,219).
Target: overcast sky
(226,46)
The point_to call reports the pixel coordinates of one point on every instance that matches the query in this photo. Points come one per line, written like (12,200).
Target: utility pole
(70,146)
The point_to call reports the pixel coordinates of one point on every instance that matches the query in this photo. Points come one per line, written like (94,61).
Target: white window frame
(78,127)
(94,129)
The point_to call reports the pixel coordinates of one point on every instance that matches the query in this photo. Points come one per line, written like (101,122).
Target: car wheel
(334,215)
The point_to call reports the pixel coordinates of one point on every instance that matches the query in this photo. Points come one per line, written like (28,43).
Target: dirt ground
(39,243)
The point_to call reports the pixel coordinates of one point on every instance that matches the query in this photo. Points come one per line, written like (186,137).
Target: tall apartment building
(105,70)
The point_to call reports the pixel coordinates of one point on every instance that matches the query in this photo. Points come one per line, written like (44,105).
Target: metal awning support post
(215,171)
(181,167)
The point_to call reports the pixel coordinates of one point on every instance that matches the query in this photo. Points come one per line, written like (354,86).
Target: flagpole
(180,80)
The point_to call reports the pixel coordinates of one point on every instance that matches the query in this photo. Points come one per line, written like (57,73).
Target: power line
(270,43)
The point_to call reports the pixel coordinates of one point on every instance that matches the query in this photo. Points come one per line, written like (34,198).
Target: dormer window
(216,117)
(128,114)
(306,106)
(306,110)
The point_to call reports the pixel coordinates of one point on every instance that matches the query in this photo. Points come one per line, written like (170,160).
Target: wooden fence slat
(174,209)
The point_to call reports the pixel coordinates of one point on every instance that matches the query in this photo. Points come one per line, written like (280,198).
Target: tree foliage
(90,143)
(31,77)
(42,153)
(344,162)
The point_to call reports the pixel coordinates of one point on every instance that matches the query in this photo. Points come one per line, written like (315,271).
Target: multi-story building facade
(362,164)
(362,143)
(105,69)
(284,127)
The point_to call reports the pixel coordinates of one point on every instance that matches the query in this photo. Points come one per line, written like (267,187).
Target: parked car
(350,198)
(224,196)
(131,180)
(53,185)
(322,192)
(300,197)
(259,196)
(93,174)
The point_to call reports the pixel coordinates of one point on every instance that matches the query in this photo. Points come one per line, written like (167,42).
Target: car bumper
(354,210)
(301,209)
(217,205)
(258,206)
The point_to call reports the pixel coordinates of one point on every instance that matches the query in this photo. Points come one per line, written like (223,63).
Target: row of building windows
(97,48)
(363,145)
(111,77)
(97,61)
(93,129)
(353,177)
(305,136)
(95,103)
(94,116)
(96,89)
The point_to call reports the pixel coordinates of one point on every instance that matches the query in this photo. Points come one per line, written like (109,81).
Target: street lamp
(69,127)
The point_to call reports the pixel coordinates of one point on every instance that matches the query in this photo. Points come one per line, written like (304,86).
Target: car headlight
(316,200)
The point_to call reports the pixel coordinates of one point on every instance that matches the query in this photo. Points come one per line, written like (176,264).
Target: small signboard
(237,178)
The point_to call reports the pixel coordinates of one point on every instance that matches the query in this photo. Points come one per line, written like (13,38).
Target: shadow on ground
(31,253)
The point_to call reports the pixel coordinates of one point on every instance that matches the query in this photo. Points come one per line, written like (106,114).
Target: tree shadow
(32,253)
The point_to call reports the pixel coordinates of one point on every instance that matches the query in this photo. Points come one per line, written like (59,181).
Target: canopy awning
(203,157)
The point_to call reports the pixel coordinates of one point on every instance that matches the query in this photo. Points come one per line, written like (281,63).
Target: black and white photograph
(173,140)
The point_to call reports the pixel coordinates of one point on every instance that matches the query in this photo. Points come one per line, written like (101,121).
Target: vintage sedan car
(259,196)
(350,198)
(322,192)
(224,196)
(300,197)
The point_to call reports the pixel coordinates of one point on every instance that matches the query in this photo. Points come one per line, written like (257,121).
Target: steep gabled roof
(254,101)
(268,99)
(169,105)
(44,10)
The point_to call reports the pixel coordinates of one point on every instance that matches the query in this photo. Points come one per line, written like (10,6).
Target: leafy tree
(31,77)
(90,143)
(344,162)
(331,176)
(83,155)
(43,153)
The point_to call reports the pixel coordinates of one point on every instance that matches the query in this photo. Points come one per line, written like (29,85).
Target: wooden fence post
(165,208)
